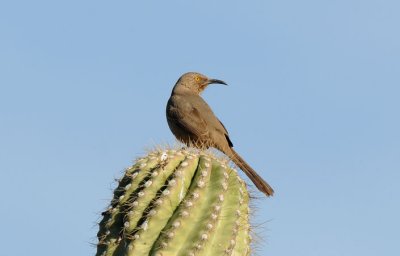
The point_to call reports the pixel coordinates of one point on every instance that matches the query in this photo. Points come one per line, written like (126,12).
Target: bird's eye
(197,78)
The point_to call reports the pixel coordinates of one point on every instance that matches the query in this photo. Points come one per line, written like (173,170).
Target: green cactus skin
(175,202)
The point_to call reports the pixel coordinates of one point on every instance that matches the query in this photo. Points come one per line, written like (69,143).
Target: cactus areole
(175,202)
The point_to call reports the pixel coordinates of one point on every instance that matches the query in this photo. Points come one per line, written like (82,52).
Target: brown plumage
(193,122)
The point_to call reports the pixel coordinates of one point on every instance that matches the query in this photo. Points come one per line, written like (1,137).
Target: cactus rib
(176,202)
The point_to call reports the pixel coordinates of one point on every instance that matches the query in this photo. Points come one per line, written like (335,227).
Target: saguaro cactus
(176,202)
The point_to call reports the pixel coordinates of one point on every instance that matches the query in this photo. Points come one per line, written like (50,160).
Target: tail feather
(261,184)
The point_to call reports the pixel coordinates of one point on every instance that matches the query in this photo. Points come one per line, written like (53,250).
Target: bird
(193,123)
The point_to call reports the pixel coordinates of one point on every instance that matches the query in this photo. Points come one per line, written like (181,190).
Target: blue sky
(312,104)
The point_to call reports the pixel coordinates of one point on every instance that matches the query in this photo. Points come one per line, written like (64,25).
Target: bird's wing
(226,134)
(223,126)
(218,127)
(194,116)
(195,123)
(189,119)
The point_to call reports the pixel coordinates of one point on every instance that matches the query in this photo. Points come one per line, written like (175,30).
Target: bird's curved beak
(216,81)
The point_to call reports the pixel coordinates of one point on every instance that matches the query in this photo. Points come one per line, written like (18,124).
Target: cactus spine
(177,203)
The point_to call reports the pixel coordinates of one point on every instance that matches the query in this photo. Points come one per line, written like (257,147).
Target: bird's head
(193,82)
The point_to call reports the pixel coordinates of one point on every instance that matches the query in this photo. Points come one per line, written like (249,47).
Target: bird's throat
(202,87)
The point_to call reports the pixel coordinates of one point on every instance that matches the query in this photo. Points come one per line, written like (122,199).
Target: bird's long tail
(261,184)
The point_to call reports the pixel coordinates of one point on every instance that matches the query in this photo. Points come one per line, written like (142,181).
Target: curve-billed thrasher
(192,122)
